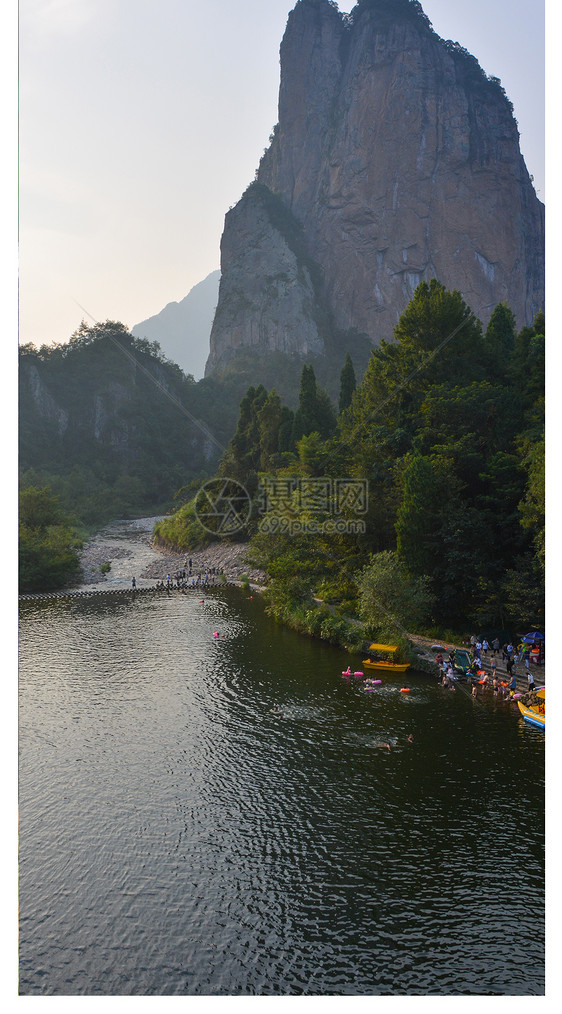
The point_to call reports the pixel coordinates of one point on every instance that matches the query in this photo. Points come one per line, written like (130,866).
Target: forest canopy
(447,429)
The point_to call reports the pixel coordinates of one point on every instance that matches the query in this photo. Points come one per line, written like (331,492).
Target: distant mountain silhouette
(183,329)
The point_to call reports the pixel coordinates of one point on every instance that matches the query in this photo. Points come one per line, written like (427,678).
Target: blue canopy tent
(535,639)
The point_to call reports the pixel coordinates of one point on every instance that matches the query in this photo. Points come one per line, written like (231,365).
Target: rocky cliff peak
(397,160)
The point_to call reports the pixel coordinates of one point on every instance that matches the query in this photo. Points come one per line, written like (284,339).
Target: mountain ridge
(398,160)
(183,328)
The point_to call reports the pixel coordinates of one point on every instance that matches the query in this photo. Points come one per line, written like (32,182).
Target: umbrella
(534,636)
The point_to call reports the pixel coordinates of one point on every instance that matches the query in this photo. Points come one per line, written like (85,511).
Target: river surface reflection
(179,836)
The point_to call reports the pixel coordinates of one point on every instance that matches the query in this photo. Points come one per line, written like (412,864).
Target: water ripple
(224,816)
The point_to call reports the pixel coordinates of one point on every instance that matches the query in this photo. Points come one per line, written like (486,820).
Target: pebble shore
(153,562)
(93,556)
(228,557)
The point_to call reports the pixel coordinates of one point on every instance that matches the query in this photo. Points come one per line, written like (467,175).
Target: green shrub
(48,542)
(182,530)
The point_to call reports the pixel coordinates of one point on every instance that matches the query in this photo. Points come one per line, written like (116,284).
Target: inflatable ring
(358,674)
(405,690)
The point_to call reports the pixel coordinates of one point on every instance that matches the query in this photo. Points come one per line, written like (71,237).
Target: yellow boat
(535,714)
(385,664)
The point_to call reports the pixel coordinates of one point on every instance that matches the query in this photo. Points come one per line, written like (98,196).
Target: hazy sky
(143,121)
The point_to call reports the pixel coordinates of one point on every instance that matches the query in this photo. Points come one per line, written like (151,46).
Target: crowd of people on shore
(479,678)
(185,578)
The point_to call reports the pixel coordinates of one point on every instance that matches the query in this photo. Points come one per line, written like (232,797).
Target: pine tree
(348,383)
(499,341)
(315,412)
(305,421)
(269,419)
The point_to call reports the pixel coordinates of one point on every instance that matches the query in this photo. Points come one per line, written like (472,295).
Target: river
(180,835)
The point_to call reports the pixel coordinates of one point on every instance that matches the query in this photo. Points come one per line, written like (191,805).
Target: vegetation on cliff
(117,430)
(113,427)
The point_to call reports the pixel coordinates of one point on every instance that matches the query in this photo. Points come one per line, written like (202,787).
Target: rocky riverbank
(93,557)
(230,558)
(125,545)
(128,549)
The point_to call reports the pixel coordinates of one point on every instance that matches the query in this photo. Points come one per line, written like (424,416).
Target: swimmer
(410,738)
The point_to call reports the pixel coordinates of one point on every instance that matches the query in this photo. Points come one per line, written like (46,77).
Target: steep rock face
(96,406)
(267,297)
(45,405)
(401,162)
